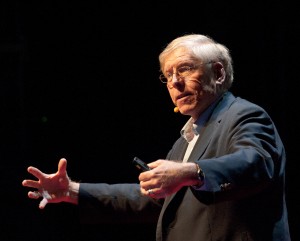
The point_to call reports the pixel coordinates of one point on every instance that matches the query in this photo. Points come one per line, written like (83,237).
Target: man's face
(184,75)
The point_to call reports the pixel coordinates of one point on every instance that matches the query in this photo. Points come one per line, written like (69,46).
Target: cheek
(172,95)
(196,88)
(199,93)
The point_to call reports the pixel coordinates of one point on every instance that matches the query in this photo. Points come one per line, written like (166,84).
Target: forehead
(177,56)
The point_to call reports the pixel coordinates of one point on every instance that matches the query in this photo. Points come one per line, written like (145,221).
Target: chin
(185,110)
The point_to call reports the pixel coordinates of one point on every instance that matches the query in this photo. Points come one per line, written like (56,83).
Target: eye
(184,69)
(169,75)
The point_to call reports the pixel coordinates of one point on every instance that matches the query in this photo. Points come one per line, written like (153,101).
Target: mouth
(182,98)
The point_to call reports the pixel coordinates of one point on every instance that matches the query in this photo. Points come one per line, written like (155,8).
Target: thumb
(62,166)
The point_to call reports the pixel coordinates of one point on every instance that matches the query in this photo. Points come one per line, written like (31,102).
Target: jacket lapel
(212,124)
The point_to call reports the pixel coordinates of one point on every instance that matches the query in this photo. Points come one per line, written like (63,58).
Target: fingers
(154,163)
(62,167)
(31,183)
(155,193)
(37,194)
(43,203)
(35,172)
(34,194)
(147,192)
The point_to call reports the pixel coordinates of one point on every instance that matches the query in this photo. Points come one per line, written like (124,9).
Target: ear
(219,72)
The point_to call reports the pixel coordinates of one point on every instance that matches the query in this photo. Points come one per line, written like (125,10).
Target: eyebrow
(180,63)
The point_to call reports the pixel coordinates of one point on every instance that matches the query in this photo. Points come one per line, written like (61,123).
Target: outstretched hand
(52,188)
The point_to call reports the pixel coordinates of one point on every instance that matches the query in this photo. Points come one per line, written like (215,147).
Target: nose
(175,81)
(174,78)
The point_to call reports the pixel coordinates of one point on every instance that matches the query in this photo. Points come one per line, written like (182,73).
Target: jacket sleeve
(244,156)
(116,203)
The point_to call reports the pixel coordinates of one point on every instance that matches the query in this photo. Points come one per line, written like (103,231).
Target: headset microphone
(176,109)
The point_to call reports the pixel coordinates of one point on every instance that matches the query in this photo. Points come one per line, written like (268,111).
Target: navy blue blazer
(243,158)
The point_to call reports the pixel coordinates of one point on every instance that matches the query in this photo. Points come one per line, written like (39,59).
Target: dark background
(80,81)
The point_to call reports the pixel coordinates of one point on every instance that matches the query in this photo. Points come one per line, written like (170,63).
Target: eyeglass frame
(180,77)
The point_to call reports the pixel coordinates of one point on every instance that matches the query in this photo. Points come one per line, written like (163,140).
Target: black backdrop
(80,80)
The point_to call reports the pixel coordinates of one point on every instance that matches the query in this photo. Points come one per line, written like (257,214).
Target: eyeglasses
(181,73)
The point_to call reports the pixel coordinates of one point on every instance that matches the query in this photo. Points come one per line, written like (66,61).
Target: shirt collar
(192,128)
